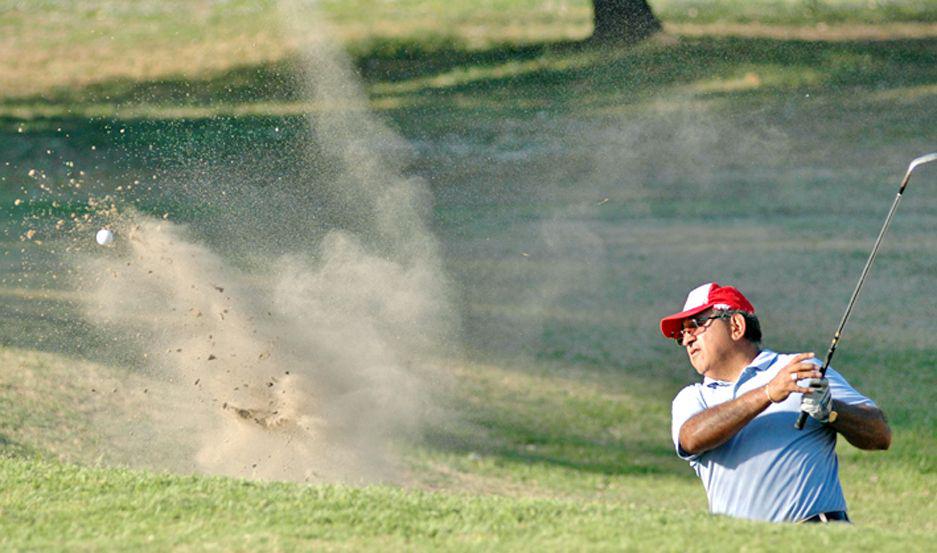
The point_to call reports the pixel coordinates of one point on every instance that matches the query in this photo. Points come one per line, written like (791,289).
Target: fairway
(389,275)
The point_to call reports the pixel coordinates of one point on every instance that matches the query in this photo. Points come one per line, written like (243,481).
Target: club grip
(801,421)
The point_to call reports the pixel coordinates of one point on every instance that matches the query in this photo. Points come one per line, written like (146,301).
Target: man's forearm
(714,426)
(863,426)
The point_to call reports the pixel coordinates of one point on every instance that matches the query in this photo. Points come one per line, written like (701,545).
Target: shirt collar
(762,361)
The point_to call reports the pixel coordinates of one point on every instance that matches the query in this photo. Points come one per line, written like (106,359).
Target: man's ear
(737,326)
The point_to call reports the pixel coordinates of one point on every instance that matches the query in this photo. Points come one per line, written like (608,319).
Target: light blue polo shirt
(768,470)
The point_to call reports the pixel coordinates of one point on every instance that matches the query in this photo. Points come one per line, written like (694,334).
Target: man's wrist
(768,394)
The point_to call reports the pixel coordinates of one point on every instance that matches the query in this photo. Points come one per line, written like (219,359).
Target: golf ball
(104,236)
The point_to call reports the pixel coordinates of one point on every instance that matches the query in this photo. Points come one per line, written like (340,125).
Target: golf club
(802,419)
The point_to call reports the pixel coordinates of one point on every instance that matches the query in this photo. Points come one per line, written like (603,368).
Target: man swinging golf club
(736,426)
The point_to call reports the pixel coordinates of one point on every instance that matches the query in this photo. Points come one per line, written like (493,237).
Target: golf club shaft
(802,418)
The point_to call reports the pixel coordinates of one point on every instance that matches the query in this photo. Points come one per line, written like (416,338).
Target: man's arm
(713,427)
(863,426)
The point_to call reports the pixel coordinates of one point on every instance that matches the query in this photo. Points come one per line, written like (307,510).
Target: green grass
(558,458)
(60,506)
(547,471)
(578,191)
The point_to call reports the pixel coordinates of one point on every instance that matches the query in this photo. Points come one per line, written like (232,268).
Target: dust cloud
(632,211)
(308,366)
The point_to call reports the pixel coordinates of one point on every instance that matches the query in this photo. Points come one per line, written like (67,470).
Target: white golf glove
(819,404)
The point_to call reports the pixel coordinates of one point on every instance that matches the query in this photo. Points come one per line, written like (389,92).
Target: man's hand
(819,403)
(785,382)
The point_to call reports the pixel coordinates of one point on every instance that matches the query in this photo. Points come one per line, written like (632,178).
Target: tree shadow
(587,76)
(552,74)
(517,443)
(556,415)
(386,60)
(11,448)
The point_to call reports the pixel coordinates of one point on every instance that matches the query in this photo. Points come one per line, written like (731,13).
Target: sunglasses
(697,325)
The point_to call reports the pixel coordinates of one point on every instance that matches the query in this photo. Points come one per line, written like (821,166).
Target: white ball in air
(104,236)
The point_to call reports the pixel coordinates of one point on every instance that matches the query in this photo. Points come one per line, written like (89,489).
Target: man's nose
(688,338)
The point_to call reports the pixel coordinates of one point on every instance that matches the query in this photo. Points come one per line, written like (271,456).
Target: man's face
(710,343)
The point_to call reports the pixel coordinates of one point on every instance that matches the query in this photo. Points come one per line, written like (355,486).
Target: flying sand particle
(296,408)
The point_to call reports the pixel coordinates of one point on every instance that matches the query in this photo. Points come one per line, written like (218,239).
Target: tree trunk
(623,20)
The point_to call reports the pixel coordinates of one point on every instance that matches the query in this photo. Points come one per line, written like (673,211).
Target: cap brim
(669,326)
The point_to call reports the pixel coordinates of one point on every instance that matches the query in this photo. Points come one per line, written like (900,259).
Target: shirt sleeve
(687,403)
(842,391)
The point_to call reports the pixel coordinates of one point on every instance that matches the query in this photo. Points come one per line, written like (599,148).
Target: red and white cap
(707,296)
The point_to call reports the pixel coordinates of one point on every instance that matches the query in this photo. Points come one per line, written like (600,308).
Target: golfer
(736,427)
